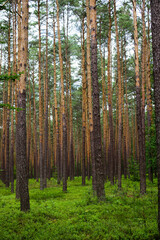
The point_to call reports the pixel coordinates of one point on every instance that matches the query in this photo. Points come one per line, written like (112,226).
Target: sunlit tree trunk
(90,96)
(83,107)
(21,124)
(64,126)
(143,67)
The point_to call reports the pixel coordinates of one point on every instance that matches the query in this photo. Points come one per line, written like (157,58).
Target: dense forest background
(76,94)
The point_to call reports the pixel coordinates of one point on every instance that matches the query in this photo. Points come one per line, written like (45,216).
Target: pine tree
(155,26)
(119,100)
(83,106)
(111,145)
(21,124)
(90,108)
(96,107)
(63,116)
(40,105)
(138,104)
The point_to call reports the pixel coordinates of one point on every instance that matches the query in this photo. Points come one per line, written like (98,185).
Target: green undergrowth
(77,215)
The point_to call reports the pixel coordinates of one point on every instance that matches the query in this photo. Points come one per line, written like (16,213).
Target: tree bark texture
(119,101)
(155,26)
(8,110)
(111,144)
(96,106)
(63,115)
(21,124)
(138,105)
(46,105)
(40,107)
(83,107)
(16,93)
(89,83)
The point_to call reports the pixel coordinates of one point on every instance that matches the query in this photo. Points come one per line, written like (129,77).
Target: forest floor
(77,215)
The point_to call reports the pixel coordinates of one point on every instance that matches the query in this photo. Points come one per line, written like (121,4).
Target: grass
(77,215)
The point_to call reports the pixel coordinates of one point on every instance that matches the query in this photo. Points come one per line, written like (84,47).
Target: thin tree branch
(5,3)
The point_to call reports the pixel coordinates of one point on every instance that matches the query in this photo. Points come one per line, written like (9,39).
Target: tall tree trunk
(119,100)
(16,94)
(4,134)
(89,82)
(138,104)
(21,124)
(46,105)
(155,26)
(49,140)
(104,109)
(111,145)
(123,114)
(40,106)
(71,153)
(8,110)
(96,107)
(83,107)
(64,127)
(57,154)
(29,135)
(66,87)
(12,101)
(143,67)
(35,152)
(127,117)
(149,100)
